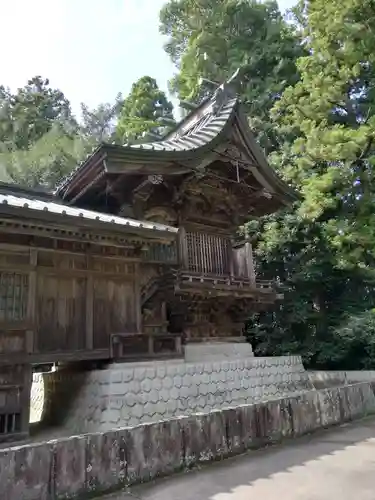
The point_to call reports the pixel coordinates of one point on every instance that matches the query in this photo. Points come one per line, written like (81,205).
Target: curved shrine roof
(199,133)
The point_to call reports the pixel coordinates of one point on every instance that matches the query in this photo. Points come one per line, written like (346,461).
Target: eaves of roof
(21,205)
(174,147)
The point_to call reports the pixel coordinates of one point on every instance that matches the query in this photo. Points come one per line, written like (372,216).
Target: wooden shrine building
(134,254)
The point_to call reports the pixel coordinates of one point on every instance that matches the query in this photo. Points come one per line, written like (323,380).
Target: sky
(90,49)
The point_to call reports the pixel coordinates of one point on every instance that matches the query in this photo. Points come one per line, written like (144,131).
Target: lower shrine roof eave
(20,206)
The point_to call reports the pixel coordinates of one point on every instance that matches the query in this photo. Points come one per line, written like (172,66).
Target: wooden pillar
(31,334)
(231,259)
(178,345)
(90,312)
(89,306)
(183,249)
(138,298)
(151,349)
(25,395)
(250,263)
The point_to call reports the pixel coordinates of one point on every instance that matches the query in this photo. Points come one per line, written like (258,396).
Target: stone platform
(128,394)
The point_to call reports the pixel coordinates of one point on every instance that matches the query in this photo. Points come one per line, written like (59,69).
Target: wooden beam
(54,357)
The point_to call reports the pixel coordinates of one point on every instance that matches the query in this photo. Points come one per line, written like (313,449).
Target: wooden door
(114,309)
(61,313)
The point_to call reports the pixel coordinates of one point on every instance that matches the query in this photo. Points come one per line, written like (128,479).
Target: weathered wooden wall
(55,303)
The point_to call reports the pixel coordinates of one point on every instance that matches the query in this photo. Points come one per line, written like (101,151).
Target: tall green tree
(45,162)
(39,136)
(99,124)
(211,38)
(31,112)
(143,111)
(332,108)
(323,251)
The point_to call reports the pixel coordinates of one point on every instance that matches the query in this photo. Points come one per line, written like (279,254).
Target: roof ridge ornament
(226,91)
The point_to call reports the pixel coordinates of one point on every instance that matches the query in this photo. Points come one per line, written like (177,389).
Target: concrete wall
(94,463)
(134,393)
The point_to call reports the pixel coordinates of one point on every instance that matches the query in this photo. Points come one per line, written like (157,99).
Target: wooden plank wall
(63,302)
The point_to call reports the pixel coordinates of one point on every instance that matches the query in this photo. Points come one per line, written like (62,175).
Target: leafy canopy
(323,250)
(142,111)
(212,38)
(332,108)
(31,112)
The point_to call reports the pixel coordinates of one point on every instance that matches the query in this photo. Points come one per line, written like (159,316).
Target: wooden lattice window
(208,253)
(13,296)
(10,423)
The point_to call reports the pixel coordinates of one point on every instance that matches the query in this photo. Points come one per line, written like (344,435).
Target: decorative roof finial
(234,78)
(226,91)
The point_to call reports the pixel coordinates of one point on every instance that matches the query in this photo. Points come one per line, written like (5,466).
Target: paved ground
(336,464)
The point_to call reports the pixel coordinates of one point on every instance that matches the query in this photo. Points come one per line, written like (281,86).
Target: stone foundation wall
(322,378)
(134,393)
(94,463)
(202,352)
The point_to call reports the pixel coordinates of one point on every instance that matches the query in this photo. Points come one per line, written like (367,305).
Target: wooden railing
(211,254)
(145,346)
(205,253)
(160,253)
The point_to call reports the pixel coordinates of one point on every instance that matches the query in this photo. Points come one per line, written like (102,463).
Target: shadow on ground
(322,466)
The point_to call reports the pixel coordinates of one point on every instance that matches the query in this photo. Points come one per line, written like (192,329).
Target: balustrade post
(231,259)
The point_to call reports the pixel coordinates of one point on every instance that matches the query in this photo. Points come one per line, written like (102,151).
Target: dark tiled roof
(202,128)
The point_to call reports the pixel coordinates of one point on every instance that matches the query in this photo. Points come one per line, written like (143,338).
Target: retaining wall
(127,394)
(95,463)
(323,378)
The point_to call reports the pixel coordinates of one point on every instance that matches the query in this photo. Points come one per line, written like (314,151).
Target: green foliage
(324,249)
(28,114)
(99,124)
(39,141)
(143,111)
(46,162)
(332,109)
(212,38)
(318,295)
(353,343)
